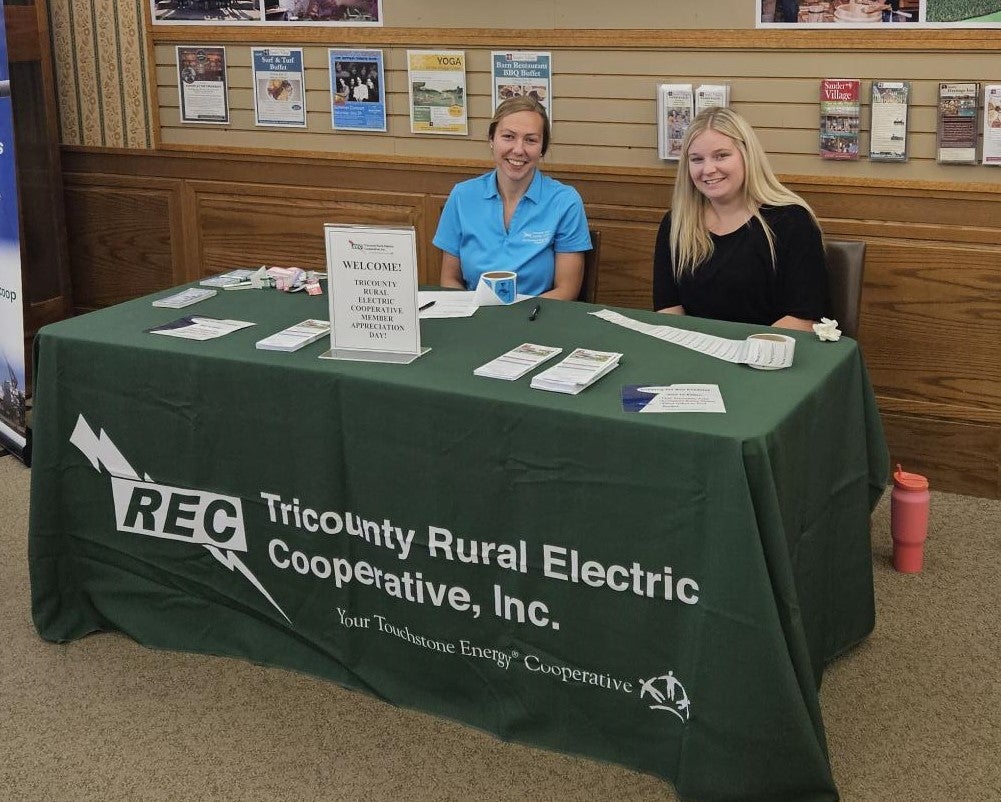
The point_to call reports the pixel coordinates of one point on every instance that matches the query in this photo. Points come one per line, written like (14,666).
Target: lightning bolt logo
(101,452)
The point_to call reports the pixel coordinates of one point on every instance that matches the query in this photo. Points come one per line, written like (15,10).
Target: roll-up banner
(13,425)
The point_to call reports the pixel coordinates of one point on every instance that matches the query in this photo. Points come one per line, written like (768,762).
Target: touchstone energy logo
(668,694)
(144,507)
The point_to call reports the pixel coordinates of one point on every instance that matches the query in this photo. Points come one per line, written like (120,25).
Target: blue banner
(13,426)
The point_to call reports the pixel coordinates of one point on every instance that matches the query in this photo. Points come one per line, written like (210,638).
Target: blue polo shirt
(549,220)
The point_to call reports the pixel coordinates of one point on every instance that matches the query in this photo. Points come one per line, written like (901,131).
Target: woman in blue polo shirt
(514,217)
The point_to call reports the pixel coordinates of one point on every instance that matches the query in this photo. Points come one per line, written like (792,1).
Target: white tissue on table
(827,330)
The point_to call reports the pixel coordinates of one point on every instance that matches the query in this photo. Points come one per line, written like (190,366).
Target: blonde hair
(690,242)
(521,103)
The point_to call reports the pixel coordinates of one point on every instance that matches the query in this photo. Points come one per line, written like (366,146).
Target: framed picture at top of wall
(889,14)
(266,12)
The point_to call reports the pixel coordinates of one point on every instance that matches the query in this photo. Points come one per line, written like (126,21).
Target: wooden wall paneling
(956,457)
(937,310)
(433,204)
(245,225)
(23,43)
(627,243)
(124,235)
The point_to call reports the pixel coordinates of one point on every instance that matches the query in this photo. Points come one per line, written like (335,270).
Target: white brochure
(517,362)
(192,295)
(230,278)
(580,369)
(295,337)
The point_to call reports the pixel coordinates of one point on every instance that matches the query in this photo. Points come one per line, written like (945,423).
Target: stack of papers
(295,337)
(184,298)
(578,370)
(517,362)
(238,276)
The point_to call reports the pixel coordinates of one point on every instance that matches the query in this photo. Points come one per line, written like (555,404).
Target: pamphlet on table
(672,398)
(295,337)
(517,362)
(229,279)
(192,295)
(577,371)
(199,328)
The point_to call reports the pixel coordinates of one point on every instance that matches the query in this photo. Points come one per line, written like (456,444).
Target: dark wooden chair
(845,269)
(589,286)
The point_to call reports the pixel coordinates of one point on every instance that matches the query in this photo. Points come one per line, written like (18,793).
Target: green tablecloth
(332,517)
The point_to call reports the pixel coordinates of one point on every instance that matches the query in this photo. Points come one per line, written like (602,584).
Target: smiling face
(716,167)
(517,145)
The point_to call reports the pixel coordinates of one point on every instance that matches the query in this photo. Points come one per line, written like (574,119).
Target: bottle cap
(909,481)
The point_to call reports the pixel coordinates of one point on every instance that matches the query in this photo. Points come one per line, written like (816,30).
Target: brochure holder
(372,287)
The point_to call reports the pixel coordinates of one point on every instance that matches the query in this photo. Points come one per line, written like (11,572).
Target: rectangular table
(660,591)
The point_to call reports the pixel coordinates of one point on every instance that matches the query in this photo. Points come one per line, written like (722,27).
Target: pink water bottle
(908,520)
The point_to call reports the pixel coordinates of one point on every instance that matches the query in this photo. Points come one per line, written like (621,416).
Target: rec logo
(176,513)
(144,507)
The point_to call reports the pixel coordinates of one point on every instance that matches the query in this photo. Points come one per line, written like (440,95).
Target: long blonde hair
(690,242)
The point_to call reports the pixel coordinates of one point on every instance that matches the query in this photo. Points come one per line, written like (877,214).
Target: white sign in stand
(372,285)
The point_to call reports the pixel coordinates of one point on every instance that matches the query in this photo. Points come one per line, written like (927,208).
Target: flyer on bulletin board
(437,81)
(517,74)
(992,126)
(13,411)
(357,90)
(279,93)
(201,84)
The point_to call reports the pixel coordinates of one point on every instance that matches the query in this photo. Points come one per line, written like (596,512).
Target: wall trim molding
(931,40)
(87,154)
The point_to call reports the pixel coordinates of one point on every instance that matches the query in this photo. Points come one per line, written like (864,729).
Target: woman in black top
(737,245)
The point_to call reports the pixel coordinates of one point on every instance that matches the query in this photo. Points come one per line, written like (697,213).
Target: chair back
(589,286)
(845,267)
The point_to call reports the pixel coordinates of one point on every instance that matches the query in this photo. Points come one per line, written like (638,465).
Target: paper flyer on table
(229,278)
(199,328)
(295,337)
(672,398)
(446,303)
(192,295)
(517,362)
(577,371)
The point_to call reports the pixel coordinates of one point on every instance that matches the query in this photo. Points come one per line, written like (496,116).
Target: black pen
(428,305)
(535,312)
